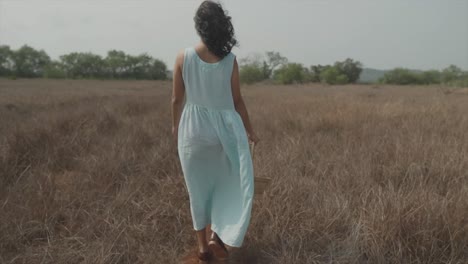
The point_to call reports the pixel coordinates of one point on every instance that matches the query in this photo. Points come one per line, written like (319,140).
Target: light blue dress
(214,150)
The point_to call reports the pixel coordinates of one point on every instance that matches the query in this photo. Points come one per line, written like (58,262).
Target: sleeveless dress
(214,150)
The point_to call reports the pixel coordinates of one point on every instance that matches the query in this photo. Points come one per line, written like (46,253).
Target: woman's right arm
(178,93)
(239,103)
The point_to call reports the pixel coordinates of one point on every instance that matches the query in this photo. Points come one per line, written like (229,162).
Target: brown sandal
(217,247)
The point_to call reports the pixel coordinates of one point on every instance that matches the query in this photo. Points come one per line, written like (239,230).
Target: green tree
(92,65)
(290,73)
(402,76)
(83,65)
(352,69)
(431,77)
(451,73)
(253,69)
(120,65)
(6,60)
(54,70)
(140,66)
(29,62)
(251,73)
(116,62)
(71,65)
(462,82)
(315,72)
(158,70)
(273,61)
(333,75)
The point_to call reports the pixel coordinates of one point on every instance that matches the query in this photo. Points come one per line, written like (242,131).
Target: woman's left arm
(178,93)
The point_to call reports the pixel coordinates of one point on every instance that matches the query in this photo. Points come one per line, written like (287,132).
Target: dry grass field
(361,174)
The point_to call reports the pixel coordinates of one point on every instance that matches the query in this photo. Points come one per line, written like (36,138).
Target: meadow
(89,173)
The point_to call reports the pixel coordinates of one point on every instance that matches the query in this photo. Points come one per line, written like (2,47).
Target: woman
(212,130)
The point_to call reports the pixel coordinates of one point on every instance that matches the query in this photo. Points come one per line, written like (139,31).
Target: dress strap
(229,61)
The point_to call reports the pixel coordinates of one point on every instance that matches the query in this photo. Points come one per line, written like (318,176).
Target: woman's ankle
(203,248)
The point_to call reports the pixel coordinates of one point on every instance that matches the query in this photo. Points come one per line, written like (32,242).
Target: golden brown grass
(361,174)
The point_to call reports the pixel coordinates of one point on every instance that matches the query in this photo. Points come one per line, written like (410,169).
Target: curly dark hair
(215,29)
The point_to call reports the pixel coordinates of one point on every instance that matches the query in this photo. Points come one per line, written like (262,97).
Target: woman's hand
(253,138)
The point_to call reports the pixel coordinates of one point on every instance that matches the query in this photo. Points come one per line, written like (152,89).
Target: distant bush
(402,76)
(54,71)
(430,77)
(259,67)
(461,82)
(251,73)
(350,68)
(6,61)
(274,60)
(290,73)
(27,62)
(158,70)
(333,75)
(451,75)
(342,72)
(315,72)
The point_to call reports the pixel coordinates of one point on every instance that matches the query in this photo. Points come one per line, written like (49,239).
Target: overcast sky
(383,34)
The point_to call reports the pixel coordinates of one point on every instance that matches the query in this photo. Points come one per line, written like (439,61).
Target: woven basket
(260,183)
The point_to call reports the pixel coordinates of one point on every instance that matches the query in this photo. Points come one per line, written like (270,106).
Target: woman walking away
(212,130)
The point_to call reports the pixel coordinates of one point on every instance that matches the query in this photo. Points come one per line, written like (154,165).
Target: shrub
(290,73)
(158,70)
(461,82)
(350,68)
(332,75)
(451,73)
(315,72)
(402,76)
(431,77)
(54,70)
(251,73)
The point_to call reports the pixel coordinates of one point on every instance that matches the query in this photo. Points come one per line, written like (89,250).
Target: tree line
(27,62)
(273,66)
(452,75)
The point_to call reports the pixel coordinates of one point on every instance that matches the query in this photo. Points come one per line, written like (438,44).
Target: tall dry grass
(361,174)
